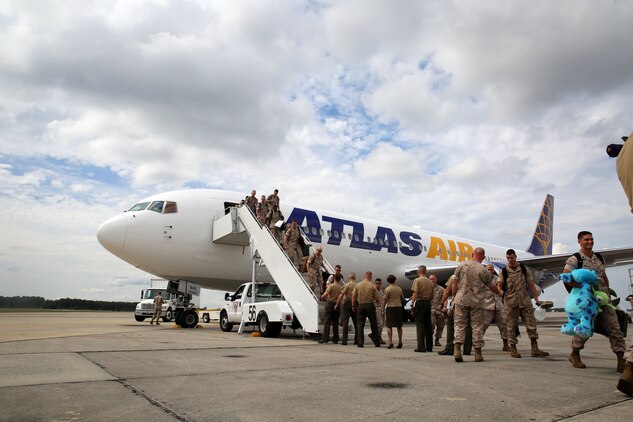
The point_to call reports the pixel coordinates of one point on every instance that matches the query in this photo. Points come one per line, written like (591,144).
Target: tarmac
(96,366)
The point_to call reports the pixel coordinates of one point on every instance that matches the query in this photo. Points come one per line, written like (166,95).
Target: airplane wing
(555,263)
(545,268)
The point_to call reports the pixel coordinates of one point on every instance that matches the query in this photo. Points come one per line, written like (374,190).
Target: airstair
(239,227)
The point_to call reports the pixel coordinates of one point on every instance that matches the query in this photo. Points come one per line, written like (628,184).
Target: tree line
(37,302)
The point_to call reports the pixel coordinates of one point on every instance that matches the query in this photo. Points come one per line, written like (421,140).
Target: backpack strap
(579,258)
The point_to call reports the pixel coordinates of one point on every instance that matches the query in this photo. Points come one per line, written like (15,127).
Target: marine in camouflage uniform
(273,198)
(380,306)
(365,295)
(251,201)
(347,312)
(450,324)
(314,264)
(607,318)
(472,279)
(261,211)
(438,319)
(421,298)
(332,313)
(273,216)
(292,244)
(495,310)
(517,303)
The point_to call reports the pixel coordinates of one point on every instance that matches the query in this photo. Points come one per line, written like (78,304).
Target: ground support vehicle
(181,301)
(269,311)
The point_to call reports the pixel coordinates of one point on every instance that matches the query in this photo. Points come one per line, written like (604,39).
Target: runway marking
(592,409)
(142,394)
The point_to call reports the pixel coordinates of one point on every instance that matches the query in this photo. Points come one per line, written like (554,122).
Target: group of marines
(479,297)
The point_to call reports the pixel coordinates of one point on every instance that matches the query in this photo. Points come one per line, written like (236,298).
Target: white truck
(269,311)
(181,301)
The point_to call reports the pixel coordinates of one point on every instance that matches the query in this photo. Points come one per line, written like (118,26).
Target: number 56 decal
(251,313)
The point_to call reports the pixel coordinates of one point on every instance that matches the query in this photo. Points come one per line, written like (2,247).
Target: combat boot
(621,362)
(574,358)
(437,342)
(626,382)
(536,352)
(457,352)
(506,346)
(514,352)
(478,356)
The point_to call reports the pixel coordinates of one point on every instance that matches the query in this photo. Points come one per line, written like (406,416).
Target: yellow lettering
(466,251)
(437,249)
(452,250)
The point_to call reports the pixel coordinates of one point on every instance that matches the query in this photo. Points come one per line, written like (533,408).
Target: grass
(12,310)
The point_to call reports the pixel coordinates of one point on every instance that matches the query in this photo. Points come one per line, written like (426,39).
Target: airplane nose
(111,234)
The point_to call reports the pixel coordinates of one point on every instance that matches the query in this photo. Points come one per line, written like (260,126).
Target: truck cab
(145,308)
(268,310)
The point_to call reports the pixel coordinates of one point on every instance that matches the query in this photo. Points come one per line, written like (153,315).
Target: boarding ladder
(240,227)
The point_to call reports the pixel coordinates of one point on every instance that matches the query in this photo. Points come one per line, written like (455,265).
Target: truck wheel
(139,318)
(169,315)
(205,318)
(189,319)
(225,325)
(267,328)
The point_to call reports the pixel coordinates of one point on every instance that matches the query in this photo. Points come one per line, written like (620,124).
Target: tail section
(544,233)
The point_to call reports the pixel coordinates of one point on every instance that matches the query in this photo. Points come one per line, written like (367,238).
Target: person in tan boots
(515,281)
(626,381)
(586,258)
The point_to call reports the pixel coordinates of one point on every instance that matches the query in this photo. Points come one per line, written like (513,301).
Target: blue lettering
(358,233)
(411,240)
(389,239)
(311,222)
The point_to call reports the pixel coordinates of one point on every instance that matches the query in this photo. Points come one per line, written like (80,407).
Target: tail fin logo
(544,233)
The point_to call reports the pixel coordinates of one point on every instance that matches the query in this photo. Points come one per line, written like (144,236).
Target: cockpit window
(171,207)
(156,206)
(139,207)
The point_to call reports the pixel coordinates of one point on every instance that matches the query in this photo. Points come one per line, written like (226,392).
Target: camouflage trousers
(438,320)
(380,320)
(313,282)
(499,316)
(512,319)
(275,232)
(295,253)
(628,355)
(609,321)
(465,315)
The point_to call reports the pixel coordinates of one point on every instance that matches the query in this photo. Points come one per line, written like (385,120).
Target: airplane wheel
(169,315)
(267,328)
(139,318)
(225,325)
(178,318)
(205,318)
(189,319)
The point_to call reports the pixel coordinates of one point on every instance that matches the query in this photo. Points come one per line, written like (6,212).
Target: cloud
(454,117)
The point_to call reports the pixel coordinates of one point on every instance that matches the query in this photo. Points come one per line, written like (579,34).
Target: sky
(452,116)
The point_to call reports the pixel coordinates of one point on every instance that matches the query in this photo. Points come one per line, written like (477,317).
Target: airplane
(169,235)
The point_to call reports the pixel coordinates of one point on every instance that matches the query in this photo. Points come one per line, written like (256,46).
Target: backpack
(580,264)
(504,271)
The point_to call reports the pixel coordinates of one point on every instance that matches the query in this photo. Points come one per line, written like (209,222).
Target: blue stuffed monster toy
(581,304)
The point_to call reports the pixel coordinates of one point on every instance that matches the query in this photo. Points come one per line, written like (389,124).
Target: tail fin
(544,233)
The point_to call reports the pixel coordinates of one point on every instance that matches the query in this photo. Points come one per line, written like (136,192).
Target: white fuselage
(179,245)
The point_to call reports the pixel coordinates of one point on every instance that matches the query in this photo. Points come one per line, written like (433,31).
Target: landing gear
(189,319)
